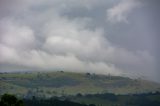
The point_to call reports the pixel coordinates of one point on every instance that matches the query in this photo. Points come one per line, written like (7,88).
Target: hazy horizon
(117,37)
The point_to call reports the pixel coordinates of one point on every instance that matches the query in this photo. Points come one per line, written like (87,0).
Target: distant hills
(48,84)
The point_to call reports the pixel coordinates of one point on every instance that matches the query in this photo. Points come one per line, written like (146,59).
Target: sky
(117,37)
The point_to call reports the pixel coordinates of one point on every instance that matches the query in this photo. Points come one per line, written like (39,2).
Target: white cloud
(7,54)
(15,35)
(120,12)
(48,40)
(42,60)
(61,36)
(68,45)
(65,36)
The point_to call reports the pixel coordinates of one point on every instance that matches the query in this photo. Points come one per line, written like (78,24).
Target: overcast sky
(118,37)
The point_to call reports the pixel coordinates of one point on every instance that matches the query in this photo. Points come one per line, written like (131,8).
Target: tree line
(11,100)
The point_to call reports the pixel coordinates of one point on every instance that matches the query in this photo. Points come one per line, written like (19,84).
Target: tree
(10,100)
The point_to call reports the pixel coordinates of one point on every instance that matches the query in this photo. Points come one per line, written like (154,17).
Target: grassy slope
(67,83)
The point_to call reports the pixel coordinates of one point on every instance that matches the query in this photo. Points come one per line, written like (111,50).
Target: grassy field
(47,84)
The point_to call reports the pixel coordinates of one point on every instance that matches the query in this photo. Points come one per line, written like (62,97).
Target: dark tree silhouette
(10,100)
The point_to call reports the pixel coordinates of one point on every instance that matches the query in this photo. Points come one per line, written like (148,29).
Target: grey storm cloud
(97,36)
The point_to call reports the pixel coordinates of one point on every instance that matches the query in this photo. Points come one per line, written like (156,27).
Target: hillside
(47,84)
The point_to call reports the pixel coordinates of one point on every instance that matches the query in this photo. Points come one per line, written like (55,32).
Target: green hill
(47,84)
